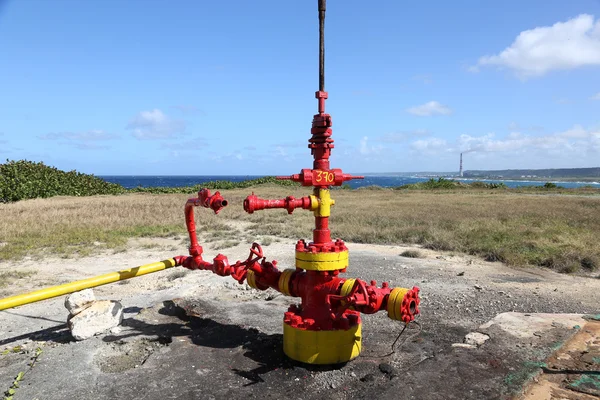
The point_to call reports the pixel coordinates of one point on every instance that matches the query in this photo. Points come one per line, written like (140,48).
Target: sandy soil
(231,346)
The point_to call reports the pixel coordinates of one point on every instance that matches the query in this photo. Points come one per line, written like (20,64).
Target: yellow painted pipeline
(55,291)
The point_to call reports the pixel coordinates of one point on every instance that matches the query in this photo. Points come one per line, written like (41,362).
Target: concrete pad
(524,325)
(573,371)
(227,343)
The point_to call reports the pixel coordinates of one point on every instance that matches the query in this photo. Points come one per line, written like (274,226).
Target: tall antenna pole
(322,45)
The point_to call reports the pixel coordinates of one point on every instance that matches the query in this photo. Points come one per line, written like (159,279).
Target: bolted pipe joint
(403,304)
(221,265)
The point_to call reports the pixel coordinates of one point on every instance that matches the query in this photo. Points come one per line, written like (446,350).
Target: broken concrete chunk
(100,317)
(476,338)
(79,301)
(463,346)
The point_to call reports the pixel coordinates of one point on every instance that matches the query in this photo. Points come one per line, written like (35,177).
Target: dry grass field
(557,231)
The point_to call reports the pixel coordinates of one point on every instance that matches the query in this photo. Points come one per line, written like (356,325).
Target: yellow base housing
(322,261)
(322,347)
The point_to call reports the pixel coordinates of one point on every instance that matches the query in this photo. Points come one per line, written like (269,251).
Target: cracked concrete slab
(221,340)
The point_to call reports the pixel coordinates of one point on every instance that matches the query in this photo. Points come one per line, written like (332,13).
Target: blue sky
(227,87)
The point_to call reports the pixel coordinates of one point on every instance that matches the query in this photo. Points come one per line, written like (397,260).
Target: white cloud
(575,147)
(429,109)
(576,132)
(576,140)
(367,150)
(155,125)
(429,145)
(564,45)
(596,96)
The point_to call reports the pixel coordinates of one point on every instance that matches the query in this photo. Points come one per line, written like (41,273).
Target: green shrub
(216,185)
(20,180)
(411,254)
(485,185)
(550,185)
(478,185)
(431,184)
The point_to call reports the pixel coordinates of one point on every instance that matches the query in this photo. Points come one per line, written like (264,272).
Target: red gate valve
(253,203)
(216,202)
(320,178)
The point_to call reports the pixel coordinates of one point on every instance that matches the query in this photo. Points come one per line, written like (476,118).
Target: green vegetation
(538,174)
(517,226)
(440,183)
(217,185)
(558,232)
(27,180)
(411,254)
(443,183)
(20,180)
(10,392)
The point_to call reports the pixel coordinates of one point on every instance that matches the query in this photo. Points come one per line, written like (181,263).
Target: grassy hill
(539,174)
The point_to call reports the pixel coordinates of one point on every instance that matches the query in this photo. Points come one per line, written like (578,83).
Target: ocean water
(132,181)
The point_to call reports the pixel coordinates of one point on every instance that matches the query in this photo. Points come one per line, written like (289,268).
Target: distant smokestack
(460,171)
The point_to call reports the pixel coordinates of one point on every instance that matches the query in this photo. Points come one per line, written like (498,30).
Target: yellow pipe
(55,291)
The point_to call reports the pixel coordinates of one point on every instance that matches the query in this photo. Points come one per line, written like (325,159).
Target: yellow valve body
(395,303)
(251,280)
(347,287)
(324,204)
(284,281)
(322,347)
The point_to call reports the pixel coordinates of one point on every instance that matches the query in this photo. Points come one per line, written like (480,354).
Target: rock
(116,330)
(387,369)
(461,273)
(478,287)
(476,338)
(368,378)
(99,317)
(463,346)
(79,301)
